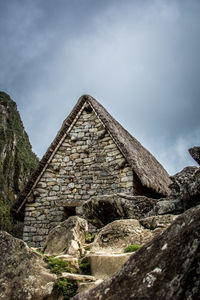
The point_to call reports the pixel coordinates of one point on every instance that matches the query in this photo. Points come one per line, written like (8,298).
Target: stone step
(104,265)
(78,277)
(83,286)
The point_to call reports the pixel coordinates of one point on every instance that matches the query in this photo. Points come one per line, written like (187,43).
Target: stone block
(41,218)
(51,183)
(52,198)
(127,178)
(37,238)
(71,185)
(74,156)
(48,175)
(41,184)
(56,188)
(52,193)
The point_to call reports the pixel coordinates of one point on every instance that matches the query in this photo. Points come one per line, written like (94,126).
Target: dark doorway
(69,211)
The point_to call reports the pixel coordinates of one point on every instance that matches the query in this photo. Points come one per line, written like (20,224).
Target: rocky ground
(163,233)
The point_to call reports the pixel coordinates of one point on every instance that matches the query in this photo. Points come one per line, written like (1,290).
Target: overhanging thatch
(150,172)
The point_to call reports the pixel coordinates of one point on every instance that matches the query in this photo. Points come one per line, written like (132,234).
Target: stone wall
(87,163)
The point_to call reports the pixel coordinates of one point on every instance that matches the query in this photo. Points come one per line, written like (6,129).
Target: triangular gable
(151,174)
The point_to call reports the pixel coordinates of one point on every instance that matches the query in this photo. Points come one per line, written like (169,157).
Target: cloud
(140,59)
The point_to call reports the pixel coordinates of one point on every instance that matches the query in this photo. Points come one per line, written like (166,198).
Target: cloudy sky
(139,58)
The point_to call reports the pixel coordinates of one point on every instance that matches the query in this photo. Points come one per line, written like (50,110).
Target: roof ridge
(147,168)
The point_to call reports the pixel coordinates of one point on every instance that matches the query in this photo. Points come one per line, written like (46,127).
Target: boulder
(165,268)
(67,238)
(22,272)
(186,187)
(157,222)
(169,205)
(102,210)
(116,236)
(195,153)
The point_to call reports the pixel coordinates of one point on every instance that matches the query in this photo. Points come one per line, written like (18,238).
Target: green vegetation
(132,248)
(58,266)
(6,221)
(17,161)
(41,253)
(66,287)
(84,266)
(89,238)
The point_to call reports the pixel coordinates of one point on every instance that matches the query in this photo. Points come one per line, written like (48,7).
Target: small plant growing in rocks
(66,287)
(84,266)
(89,238)
(132,248)
(58,266)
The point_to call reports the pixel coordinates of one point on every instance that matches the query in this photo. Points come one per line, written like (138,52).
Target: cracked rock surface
(23,275)
(168,267)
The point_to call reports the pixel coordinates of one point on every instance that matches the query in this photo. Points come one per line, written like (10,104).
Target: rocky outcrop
(17,161)
(102,210)
(186,187)
(195,153)
(23,272)
(116,236)
(68,237)
(158,222)
(167,205)
(166,268)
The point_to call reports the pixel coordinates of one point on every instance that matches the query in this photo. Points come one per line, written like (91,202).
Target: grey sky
(140,59)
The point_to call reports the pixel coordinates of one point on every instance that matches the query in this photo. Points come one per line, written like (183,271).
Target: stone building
(92,154)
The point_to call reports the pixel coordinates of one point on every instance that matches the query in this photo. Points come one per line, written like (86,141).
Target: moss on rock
(17,161)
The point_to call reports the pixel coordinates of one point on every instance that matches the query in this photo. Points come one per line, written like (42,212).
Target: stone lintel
(69,203)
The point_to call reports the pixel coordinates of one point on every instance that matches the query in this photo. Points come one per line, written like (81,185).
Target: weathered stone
(83,286)
(87,163)
(166,268)
(195,153)
(116,236)
(167,206)
(104,265)
(72,261)
(48,175)
(186,186)
(160,222)
(77,277)
(23,272)
(101,210)
(69,203)
(68,237)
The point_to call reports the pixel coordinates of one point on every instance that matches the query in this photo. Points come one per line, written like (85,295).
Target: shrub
(132,248)
(66,287)
(58,266)
(84,266)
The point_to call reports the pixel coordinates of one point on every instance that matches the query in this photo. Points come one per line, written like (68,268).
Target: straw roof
(149,171)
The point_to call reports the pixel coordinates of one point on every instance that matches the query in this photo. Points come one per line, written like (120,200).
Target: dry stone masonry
(91,156)
(87,163)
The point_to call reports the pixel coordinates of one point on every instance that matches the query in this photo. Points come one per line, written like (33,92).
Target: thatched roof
(150,172)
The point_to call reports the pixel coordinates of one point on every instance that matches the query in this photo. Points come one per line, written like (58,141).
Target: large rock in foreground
(68,237)
(166,268)
(23,274)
